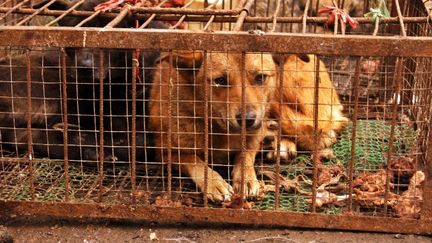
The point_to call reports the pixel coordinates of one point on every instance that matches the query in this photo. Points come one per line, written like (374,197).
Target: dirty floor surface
(25,229)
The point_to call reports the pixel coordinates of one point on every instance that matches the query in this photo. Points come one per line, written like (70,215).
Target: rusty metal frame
(217,215)
(224,41)
(220,41)
(395,46)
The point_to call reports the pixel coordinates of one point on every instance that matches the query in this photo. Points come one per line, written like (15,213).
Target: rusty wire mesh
(92,135)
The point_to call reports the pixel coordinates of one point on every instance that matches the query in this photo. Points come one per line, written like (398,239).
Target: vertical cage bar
(206,128)
(399,12)
(135,73)
(29,125)
(238,25)
(280,70)
(355,94)
(243,123)
(101,122)
(316,136)
(305,15)
(426,211)
(169,136)
(65,124)
(397,87)
(274,16)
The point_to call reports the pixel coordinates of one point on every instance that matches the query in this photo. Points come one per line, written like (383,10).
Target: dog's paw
(287,150)
(327,139)
(218,190)
(326,153)
(251,185)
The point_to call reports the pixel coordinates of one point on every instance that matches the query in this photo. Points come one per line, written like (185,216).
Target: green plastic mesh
(50,183)
(372,143)
(371,147)
(287,202)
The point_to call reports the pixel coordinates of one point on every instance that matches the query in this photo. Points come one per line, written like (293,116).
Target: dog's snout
(250,118)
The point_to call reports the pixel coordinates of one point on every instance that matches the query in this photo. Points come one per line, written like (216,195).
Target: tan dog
(296,116)
(224,78)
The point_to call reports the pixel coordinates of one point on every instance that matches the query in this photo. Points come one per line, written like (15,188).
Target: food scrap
(372,182)
(238,202)
(327,174)
(287,184)
(164,201)
(403,165)
(410,202)
(324,197)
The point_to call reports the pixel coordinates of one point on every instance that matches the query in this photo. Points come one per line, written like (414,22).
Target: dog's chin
(235,128)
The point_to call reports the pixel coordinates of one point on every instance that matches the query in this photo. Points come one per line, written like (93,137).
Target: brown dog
(296,115)
(186,80)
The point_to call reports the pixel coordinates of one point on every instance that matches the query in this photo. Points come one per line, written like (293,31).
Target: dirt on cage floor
(24,229)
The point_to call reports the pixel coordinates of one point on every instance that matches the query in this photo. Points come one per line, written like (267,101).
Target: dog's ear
(187,62)
(281,58)
(183,59)
(303,57)
(187,59)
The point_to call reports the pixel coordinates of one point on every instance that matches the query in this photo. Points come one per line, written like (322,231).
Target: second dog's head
(229,99)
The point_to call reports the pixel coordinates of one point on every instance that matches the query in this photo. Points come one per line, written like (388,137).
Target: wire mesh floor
(295,179)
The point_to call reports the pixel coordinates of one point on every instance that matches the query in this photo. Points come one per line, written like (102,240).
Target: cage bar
(65,124)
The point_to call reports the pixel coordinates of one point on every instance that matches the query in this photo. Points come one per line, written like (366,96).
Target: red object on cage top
(335,12)
(174,3)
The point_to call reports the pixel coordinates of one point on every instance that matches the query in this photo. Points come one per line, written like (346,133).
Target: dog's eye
(260,79)
(221,81)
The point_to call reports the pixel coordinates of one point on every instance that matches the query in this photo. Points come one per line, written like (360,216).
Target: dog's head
(238,86)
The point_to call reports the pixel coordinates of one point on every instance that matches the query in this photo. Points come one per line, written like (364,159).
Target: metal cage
(101,102)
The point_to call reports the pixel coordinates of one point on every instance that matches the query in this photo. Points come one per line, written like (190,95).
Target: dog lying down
(47,112)
(296,114)
(223,76)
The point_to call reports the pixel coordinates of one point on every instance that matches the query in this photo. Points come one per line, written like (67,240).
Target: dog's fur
(83,73)
(296,114)
(46,112)
(187,78)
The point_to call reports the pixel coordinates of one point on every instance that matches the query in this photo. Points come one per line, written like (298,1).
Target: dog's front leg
(251,184)
(217,188)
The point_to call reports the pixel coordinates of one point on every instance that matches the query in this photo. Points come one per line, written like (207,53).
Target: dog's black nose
(250,119)
(268,140)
